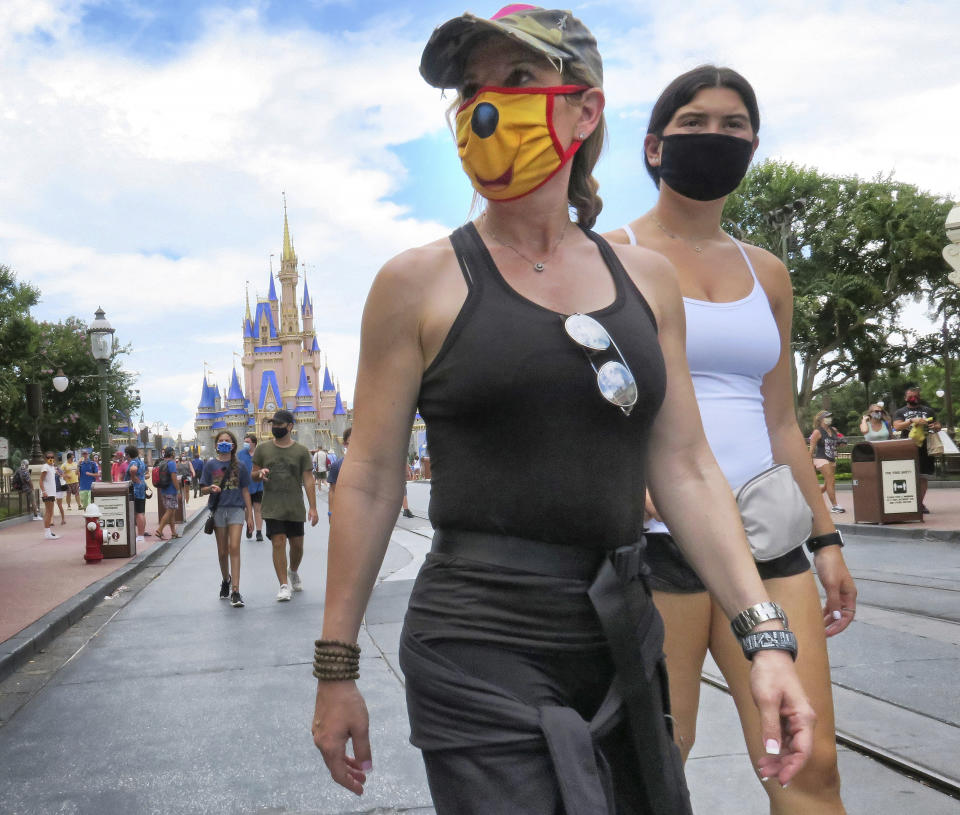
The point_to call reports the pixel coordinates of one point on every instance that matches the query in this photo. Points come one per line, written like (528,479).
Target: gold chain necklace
(694,242)
(538,266)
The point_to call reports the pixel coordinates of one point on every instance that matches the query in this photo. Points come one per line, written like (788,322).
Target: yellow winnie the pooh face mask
(506,140)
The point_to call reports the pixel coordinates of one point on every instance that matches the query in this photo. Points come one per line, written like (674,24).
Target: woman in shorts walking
(228,478)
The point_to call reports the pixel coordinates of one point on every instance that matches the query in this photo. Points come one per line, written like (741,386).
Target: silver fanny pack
(775,515)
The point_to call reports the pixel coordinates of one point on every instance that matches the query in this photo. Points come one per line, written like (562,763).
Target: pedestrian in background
(227,480)
(99,463)
(187,476)
(118,467)
(320,467)
(23,482)
(245,455)
(875,424)
(737,310)
(71,480)
(61,490)
(86,474)
(920,419)
(169,487)
(286,470)
(137,475)
(197,464)
(824,441)
(48,493)
(333,473)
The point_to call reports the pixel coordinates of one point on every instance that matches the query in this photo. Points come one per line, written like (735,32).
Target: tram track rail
(898,763)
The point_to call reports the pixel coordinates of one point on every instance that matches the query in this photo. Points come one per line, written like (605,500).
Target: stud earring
(581,137)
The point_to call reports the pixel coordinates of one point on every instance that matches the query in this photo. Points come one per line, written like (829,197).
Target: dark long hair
(234,465)
(682,90)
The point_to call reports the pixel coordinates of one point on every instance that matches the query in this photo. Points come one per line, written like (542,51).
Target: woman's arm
(788,446)
(864,425)
(368,495)
(697,504)
(814,439)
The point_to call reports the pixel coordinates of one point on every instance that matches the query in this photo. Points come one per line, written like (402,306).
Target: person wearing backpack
(136,473)
(169,485)
(23,481)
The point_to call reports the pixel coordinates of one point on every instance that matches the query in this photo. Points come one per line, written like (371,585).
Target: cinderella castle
(282,368)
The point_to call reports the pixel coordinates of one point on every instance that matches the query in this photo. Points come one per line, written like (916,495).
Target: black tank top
(521,441)
(827,444)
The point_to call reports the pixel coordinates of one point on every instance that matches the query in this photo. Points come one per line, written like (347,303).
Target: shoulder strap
(467,255)
(631,236)
(745,257)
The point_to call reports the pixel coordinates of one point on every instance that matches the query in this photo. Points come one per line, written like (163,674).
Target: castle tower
(206,415)
(328,397)
(305,427)
(235,411)
(290,339)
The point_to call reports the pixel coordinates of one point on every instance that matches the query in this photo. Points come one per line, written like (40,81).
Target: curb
(894,531)
(17,650)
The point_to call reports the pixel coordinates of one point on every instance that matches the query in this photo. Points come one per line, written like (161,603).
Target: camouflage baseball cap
(555,34)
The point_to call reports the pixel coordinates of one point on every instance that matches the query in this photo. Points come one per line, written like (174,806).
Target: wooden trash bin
(885,482)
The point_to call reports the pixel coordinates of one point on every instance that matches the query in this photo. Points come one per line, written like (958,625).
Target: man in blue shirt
(169,493)
(87,474)
(136,473)
(245,457)
(198,469)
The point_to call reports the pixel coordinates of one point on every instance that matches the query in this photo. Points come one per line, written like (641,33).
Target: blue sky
(147,144)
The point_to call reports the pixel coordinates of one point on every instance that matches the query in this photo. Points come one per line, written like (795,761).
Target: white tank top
(730,348)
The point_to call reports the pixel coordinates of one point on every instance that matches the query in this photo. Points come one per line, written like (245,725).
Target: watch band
(750,618)
(817,542)
(769,641)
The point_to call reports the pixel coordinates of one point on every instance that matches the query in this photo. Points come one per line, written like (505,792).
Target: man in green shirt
(286,470)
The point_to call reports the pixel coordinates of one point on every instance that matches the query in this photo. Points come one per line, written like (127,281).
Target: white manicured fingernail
(366,766)
(764,777)
(837,615)
(772,746)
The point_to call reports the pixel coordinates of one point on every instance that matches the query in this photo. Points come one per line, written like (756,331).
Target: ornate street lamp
(101,346)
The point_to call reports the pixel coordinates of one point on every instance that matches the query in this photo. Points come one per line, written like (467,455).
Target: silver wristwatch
(769,641)
(750,618)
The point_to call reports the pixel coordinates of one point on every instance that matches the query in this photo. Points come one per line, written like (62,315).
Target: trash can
(115,503)
(885,482)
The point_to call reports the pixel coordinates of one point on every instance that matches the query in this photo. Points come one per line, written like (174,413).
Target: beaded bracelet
(335,660)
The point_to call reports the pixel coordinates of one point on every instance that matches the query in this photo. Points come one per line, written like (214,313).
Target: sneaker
(924,510)
(139,538)
(225,589)
(249,533)
(236,600)
(295,582)
(37,518)
(407,513)
(50,535)
(284,594)
(259,535)
(837,510)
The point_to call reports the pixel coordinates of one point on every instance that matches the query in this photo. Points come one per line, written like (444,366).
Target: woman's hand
(786,717)
(841,602)
(341,714)
(214,488)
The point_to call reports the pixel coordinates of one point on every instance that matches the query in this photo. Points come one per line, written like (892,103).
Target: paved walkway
(944,517)
(37,575)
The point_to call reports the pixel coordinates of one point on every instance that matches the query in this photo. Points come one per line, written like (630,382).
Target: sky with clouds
(146,144)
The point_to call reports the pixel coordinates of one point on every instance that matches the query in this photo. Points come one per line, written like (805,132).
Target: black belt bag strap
(634,632)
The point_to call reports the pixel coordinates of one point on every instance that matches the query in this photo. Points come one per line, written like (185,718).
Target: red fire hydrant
(94,534)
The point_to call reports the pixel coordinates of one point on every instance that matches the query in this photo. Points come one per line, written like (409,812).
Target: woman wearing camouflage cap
(531,649)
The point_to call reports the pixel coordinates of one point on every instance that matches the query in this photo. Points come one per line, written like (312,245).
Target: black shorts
(256,497)
(139,506)
(49,499)
(925,462)
(292,529)
(670,572)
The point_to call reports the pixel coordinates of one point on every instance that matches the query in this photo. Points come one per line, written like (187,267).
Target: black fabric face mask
(704,166)
(279,432)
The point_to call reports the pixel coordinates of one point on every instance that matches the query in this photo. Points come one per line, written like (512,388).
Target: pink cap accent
(513,8)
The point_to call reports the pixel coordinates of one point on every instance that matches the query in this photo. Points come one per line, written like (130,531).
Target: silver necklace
(694,242)
(538,266)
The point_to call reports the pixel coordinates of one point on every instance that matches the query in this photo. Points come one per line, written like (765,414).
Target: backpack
(17,481)
(163,476)
(155,475)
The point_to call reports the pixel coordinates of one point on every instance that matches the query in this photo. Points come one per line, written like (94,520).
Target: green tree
(857,252)
(33,352)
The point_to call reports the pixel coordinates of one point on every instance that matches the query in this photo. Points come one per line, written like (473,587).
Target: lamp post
(101,345)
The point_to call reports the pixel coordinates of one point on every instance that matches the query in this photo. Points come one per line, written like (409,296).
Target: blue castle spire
(235,392)
(304,389)
(338,407)
(272,296)
(306,298)
(316,345)
(206,395)
(327,381)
